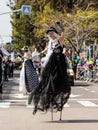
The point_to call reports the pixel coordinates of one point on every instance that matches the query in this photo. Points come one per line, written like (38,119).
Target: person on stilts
(54,88)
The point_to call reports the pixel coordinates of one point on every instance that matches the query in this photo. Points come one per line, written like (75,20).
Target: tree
(79,18)
(81,27)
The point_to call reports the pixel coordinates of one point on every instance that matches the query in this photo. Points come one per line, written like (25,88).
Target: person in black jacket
(1,56)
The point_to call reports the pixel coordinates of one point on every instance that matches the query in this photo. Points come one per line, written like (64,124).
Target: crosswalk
(22,103)
(5,104)
(19,100)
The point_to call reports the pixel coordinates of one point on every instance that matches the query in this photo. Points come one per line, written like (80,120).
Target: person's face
(51,35)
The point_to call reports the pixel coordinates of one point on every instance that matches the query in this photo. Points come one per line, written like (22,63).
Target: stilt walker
(54,87)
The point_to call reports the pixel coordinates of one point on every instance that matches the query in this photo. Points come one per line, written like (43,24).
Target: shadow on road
(75,121)
(81,84)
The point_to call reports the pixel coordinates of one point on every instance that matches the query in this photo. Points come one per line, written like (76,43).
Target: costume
(28,76)
(54,88)
(31,77)
(22,85)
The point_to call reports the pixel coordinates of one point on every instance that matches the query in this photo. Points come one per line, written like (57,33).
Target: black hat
(51,29)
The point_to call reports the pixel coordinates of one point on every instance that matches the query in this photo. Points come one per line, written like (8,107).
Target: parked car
(70,72)
(71,76)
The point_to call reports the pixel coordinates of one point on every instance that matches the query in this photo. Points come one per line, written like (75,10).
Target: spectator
(1,56)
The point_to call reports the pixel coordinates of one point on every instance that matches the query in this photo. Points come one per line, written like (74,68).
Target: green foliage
(80,21)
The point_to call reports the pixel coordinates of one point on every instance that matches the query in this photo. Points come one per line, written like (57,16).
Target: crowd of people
(6,70)
(85,69)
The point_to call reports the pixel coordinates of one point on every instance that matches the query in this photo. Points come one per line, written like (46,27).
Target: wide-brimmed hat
(51,29)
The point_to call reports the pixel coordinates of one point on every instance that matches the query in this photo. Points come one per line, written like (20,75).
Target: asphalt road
(80,112)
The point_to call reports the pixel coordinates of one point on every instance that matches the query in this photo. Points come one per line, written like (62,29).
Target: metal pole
(60,115)
(10,12)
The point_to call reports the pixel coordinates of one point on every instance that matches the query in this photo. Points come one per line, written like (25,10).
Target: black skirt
(54,88)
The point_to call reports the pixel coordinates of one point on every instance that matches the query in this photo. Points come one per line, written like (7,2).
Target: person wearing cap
(54,88)
(24,50)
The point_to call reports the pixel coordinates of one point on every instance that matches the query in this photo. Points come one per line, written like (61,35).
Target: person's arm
(63,32)
(62,37)
(44,51)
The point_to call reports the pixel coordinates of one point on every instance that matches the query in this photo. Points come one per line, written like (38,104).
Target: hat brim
(51,29)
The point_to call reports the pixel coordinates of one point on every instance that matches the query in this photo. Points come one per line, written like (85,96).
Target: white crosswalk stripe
(29,106)
(5,104)
(87,103)
(23,103)
(66,105)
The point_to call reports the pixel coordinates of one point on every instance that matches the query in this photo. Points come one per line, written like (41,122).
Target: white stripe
(86,89)
(75,99)
(93,91)
(87,104)
(73,95)
(29,106)
(5,104)
(66,105)
(14,100)
(32,106)
(80,87)
(18,95)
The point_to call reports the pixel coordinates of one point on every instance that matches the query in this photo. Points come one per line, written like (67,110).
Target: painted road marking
(73,95)
(5,104)
(83,102)
(30,106)
(18,95)
(84,99)
(87,103)
(93,91)
(66,105)
(86,89)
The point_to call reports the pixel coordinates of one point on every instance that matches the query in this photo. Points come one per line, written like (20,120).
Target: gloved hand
(60,25)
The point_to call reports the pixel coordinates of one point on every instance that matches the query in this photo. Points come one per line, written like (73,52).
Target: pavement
(75,116)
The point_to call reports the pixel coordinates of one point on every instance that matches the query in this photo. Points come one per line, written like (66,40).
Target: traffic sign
(26,9)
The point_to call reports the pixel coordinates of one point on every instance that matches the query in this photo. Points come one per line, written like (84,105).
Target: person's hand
(57,22)
(39,53)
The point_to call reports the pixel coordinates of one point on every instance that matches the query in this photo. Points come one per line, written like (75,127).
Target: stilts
(52,113)
(60,115)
